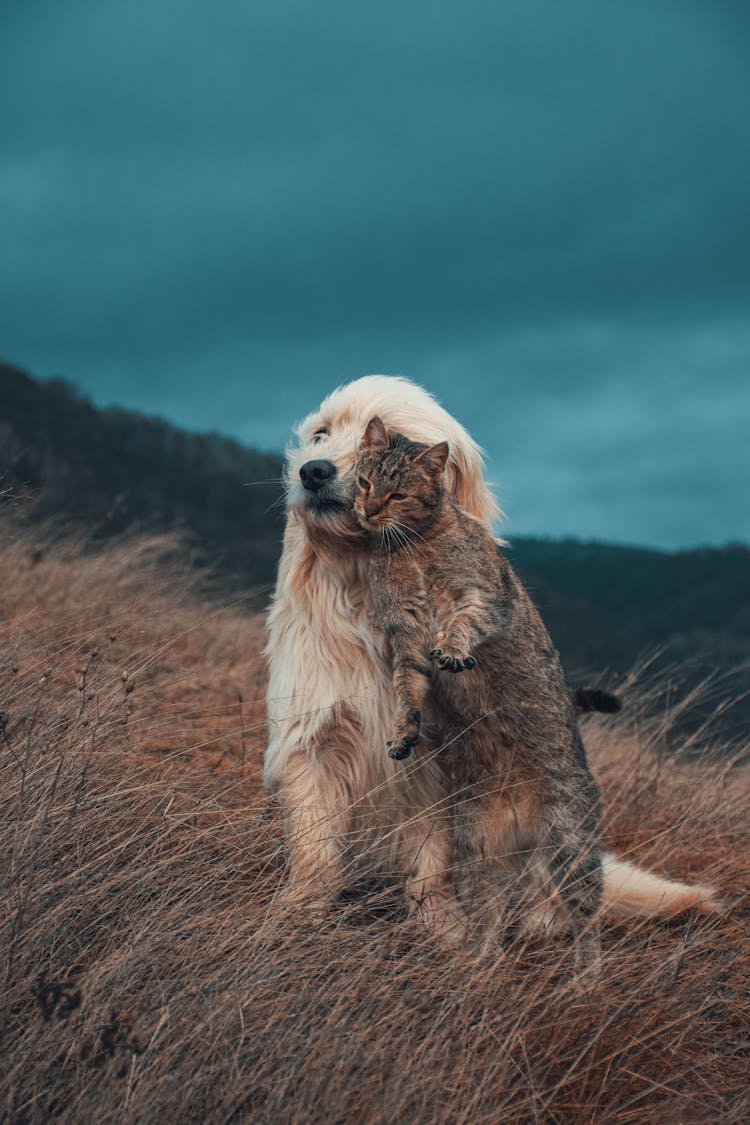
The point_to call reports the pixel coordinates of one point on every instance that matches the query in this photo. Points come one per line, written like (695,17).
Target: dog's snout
(314,474)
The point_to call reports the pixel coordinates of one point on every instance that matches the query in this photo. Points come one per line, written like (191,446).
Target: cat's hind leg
(574,862)
(539,909)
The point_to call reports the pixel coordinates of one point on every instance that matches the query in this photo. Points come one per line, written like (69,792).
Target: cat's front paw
(406,739)
(451,659)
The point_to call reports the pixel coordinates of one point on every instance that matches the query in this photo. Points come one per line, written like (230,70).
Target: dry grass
(149,975)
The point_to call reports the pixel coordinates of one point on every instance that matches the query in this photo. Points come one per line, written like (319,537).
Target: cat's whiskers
(385,538)
(407,542)
(401,539)
(411,530)
(381,541)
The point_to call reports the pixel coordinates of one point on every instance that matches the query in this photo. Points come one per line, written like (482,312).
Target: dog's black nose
(314,474)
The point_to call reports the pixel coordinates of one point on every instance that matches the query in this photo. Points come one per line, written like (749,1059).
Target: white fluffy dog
(330,700)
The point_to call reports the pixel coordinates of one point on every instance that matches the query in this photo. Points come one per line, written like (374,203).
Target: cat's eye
(364,483)
(320,434)
(397,496)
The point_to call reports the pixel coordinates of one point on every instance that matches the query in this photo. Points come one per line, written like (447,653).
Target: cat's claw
(406,739)
(452,663)
(401,748)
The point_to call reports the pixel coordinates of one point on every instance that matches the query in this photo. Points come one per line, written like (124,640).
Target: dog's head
(320,466)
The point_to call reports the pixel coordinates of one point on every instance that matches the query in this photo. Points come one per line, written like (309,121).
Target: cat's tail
(630,892)
(594,699)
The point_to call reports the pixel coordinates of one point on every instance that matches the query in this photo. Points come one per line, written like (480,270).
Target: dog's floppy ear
(435,457)
(376,435)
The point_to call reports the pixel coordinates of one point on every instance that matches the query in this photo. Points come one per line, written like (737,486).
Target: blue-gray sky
(216,212)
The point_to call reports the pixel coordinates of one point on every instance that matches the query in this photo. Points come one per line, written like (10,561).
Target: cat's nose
(372,508)
(314,474)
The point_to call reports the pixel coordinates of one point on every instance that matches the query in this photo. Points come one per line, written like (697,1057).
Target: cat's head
(399,483)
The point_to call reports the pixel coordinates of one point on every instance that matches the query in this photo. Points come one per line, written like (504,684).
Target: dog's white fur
(330,706)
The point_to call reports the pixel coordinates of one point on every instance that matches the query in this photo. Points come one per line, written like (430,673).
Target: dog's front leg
(428,852)
(316,829)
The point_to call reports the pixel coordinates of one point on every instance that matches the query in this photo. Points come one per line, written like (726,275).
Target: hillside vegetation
(606,605)
(150,974)
(113,469)
(109,470)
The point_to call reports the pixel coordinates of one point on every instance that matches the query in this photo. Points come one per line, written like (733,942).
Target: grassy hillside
(150,974)
(116,469)
(607,604)
(111,469)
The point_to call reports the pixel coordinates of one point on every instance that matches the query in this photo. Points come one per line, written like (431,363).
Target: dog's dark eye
(397,496)
(320,434)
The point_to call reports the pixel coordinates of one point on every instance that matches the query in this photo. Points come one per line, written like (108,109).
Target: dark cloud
(539,210)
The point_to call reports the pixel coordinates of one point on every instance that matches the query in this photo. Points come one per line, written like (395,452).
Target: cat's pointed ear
(436,457)
(376,435)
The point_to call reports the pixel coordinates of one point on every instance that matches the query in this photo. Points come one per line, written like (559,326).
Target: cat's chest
(448,578)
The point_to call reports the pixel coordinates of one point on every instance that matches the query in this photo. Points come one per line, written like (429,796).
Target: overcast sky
(540,210)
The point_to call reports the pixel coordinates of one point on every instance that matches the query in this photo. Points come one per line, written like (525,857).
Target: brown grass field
(149,974)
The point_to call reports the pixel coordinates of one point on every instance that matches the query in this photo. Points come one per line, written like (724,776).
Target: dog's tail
(630,892)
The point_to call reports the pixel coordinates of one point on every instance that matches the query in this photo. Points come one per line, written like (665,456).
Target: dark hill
(607,605)
(116,469)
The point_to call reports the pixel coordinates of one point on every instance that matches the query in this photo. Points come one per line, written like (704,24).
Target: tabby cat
(466,638)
